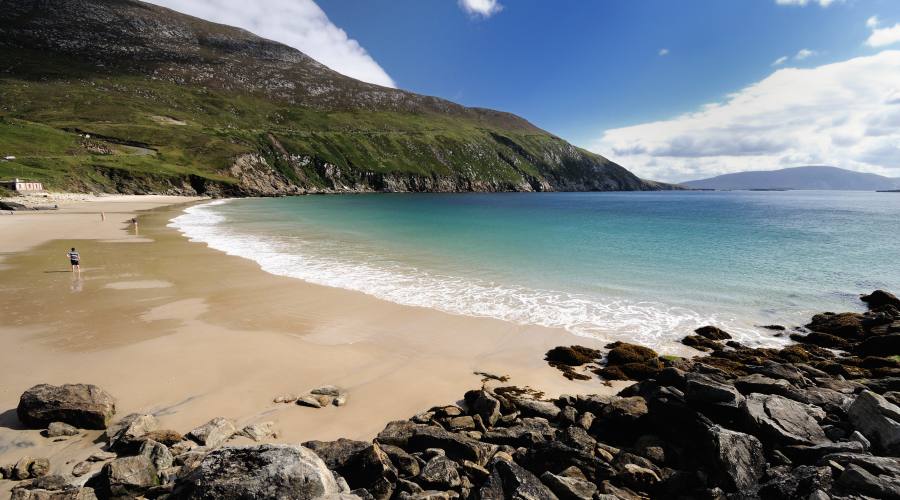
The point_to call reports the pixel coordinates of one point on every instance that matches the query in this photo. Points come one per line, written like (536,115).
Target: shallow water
(647,267)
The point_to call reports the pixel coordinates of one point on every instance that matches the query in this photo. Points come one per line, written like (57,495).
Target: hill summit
(121,95)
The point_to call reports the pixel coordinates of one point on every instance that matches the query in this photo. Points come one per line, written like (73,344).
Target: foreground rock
(79,405)
(264,471)
(738,423)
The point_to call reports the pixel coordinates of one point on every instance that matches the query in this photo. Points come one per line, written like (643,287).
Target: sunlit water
(648,267)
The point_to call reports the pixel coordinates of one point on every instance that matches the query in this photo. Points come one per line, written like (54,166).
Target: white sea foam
(649,323)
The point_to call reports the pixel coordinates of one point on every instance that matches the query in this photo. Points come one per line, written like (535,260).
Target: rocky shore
(817,419)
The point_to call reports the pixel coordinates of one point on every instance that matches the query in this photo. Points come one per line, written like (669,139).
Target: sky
(674,90)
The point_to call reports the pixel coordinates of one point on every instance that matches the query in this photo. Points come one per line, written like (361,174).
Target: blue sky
(578,67)
(670,89)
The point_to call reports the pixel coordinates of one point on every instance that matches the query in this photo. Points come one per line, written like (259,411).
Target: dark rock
(783,420)
(575,355)
(706,390)
(529,431)
(738,460)
(509,481)
(406,464)
(822,339)
(439,473)
(128,477)
(880,298)
(457,447)
(534,408)
(638,478)
(621,353)
(484,405)
(764,385)
(363,465)
(845,325)
(855,479)
(878,420)
(881,345)
(262,471)
(569,488)
(701,343)
(801,482)
(578,438)
(398,432)
(812,454)
(80,405)
(713,333)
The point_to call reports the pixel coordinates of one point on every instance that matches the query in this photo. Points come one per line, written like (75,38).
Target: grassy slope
(44,99)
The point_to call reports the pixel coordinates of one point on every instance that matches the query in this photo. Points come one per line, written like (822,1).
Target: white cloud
(804,53)
(845,114)
(882,37)
(482,8)
(663,52)
(872,22)
(298,23)
(804,3)
(781,60)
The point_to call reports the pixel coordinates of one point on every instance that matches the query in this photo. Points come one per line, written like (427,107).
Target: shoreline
(183,331)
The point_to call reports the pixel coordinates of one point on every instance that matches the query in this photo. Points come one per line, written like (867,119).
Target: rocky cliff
(172,103)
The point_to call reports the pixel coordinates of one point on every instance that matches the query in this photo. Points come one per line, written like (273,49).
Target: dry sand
(176,329)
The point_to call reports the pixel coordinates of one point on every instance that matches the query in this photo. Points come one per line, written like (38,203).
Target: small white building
(20,185)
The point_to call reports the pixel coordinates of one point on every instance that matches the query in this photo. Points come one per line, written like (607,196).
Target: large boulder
(844,325)
(783,420)
(508,480)
(262,471)
(127,433)
(738,459)
(81,405)
(364,465)
(878,420)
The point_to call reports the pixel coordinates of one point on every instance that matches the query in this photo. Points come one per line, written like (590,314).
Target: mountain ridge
(214,109)
(812,177)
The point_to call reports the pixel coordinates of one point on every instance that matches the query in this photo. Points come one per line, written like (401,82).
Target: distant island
(800,178)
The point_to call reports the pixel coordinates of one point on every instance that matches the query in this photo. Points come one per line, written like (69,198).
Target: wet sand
(188,333)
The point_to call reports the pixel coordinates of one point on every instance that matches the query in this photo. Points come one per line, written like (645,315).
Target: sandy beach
(176,329)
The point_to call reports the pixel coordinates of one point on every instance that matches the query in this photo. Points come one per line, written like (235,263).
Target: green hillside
(93,98)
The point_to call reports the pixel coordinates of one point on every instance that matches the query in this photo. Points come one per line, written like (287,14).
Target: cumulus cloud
(298,23)
(481,8)
(804,3)
(845,114)
(663,52)
(882,37)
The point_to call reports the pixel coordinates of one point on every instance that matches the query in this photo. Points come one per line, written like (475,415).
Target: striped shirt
(74,256)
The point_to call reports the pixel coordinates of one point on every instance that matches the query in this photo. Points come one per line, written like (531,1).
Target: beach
(187,333)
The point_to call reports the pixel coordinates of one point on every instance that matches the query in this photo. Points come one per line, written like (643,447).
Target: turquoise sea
(648,267)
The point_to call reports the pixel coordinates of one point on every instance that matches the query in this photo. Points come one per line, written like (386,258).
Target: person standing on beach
(75,260)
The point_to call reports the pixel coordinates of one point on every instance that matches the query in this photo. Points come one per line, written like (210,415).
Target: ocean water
(645,267)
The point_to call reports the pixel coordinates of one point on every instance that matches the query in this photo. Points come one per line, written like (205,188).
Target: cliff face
(223,111)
